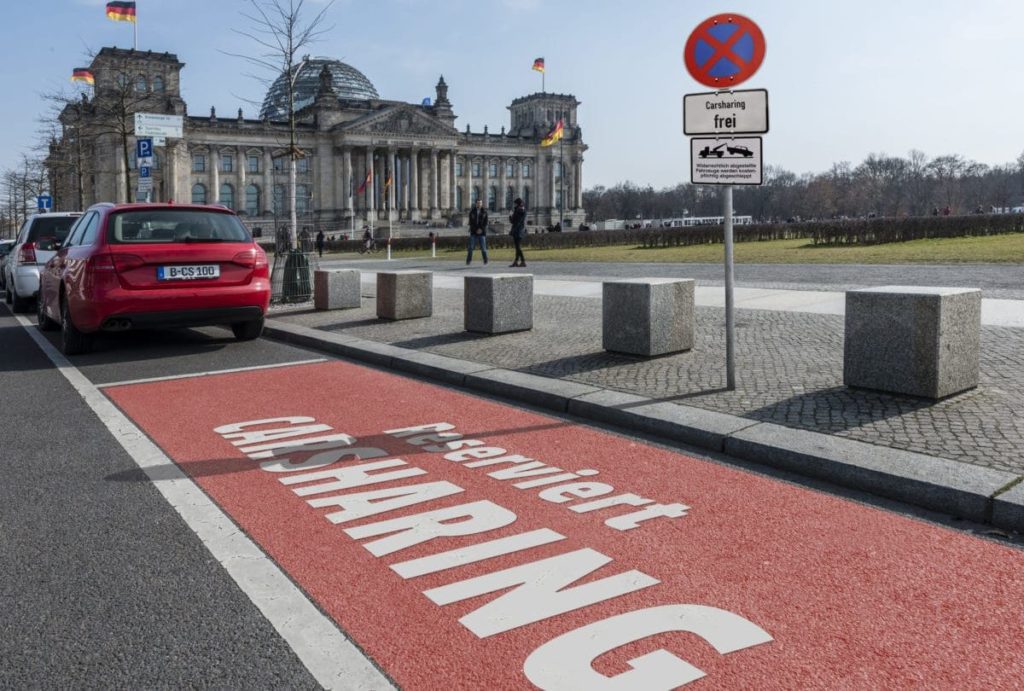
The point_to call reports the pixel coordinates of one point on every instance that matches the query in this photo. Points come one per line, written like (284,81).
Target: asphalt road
(1002,281)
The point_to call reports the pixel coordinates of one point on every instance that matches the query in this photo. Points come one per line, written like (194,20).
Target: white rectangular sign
(726,161)
(726,112)
(156,125)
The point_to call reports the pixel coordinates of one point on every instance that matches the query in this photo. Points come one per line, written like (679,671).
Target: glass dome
(348,83)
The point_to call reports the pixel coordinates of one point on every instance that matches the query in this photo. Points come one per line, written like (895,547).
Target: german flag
(121,11)
(367,181)
(389,181)
(538,65)
(82,74)
(554,135)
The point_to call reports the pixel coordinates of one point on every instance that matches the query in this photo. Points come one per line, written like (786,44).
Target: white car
(5,249)
(38,240)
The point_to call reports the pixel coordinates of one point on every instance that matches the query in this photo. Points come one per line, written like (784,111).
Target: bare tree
(281,33)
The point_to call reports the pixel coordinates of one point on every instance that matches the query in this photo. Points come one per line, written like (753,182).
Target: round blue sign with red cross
(724,50)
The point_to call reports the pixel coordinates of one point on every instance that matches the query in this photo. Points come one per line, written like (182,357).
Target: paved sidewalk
(789,365)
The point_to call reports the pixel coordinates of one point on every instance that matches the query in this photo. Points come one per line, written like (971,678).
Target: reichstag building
(353,140)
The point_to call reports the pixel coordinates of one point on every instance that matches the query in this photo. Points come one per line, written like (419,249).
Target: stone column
(435,213)
(346,180)
(467,168)
(414,184)
(394,181)
(486,188)
(451,181)
(406,169)
(502,193)
(370,202)
(171,172)
(554,188)
(579,183)
(240,197)
(268,184)
(519,178)
(214,196)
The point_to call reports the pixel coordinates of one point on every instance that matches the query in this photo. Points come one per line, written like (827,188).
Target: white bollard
(389,249)
(433,249)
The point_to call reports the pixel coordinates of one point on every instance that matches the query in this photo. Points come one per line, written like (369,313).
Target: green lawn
(996,249)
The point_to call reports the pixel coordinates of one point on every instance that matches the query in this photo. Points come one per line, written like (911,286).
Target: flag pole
(135,29)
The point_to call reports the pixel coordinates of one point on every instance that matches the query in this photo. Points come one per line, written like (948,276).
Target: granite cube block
(648,316)
(919,341)
(405,294)
(336,290)
(498,303)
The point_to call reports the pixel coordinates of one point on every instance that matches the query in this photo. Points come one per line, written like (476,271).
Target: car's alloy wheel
(247,331)
(72,341)
(44,322)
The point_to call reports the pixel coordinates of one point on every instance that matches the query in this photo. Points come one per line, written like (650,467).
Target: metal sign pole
(730,324)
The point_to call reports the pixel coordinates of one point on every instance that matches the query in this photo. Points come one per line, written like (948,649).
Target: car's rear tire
(18,303)
(44,322)
(72,341)
(247,331)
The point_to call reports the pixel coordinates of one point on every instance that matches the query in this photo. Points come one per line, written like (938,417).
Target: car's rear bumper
(26,280)
(121,309)
(180,319)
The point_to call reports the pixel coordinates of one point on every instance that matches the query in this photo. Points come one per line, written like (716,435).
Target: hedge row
(871,231)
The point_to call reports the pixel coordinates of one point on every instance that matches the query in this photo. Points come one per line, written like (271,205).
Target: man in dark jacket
(518,232)
(477,231)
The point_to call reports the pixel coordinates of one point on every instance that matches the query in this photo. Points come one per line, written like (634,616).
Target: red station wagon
(128,266)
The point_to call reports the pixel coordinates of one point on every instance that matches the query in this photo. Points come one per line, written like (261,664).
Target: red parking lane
(744,581)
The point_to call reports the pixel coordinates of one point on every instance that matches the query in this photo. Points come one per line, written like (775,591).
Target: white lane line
(209,373)
(333,660)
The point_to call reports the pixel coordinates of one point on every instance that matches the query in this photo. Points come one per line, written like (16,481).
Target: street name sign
(158,125)
(731,161)
(727,112)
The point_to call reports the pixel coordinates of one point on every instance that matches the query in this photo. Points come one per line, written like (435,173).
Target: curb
(974,493)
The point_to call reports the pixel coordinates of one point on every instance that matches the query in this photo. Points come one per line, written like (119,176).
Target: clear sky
(845,79)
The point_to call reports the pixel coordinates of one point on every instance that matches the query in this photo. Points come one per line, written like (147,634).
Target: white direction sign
(726,161)
(157,125)
(726,112)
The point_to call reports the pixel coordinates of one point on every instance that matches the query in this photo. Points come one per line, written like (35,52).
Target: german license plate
(194,272)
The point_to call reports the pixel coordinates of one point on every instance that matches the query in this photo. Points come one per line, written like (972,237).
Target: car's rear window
(55,227)
(173,226)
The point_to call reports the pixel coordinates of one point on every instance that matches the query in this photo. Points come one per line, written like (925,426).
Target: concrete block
(338,289)
(648,316)
(911,340)
(498,303)
(405,294)
(957,489)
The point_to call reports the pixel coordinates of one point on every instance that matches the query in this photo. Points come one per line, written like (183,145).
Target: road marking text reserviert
(330,471)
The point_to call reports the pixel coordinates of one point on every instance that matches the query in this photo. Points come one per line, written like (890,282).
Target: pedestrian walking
(477,231)
(320,242)
(518,232)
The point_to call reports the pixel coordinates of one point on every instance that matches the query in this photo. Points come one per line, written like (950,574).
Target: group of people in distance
(478,231)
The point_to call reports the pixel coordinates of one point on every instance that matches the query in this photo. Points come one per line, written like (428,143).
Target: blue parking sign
(144,147)
(144,171)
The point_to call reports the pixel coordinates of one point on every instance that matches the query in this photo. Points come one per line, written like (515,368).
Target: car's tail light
(127,262)
(99,263)
(255,259)
(246,258)
(27,253)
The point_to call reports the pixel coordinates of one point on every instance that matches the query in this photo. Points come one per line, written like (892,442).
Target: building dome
(348,83)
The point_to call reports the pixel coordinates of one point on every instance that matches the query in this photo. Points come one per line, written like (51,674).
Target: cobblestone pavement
(999,281)
(789,372)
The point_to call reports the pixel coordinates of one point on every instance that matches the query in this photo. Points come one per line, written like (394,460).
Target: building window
(458,198)
(198,193)
(492,169)
(279,165)
(252,200)
(280,196)
(509,197)
(510,169)
(526,197)
(458,169)
(227,163)
(302,198)
(198,163)
(253,163)
(302,165)
(492,198)
(558,199)
(158,84)
(156,161)
(122,81)
(141,85)
(132,161)
(526,170)
(558,169)
(476,170)
(474,195)
(227,195)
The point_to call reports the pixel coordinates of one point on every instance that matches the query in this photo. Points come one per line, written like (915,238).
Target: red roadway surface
(853,596)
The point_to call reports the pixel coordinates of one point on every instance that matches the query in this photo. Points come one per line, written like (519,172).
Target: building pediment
(399,121)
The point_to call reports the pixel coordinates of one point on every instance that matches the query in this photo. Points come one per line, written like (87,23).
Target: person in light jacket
(518,232)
